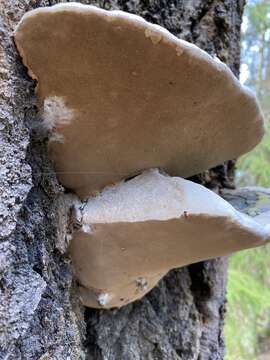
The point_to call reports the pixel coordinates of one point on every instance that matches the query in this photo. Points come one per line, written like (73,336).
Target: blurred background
(247,325)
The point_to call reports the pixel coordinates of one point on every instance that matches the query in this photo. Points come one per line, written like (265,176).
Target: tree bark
(40,315)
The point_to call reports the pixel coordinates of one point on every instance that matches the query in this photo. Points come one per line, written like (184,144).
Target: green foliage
(257,14)
(248,310)
(254,167)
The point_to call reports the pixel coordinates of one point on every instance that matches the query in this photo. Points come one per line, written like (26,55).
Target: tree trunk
(40,315)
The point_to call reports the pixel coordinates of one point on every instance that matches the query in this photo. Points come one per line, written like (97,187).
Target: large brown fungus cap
(122,95)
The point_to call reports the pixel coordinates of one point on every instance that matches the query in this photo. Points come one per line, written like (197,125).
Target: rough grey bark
(40,316)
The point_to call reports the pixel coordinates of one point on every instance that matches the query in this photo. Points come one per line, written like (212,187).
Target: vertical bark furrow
(36,316)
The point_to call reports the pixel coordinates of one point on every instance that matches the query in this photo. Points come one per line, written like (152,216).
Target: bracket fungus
(132,97)
(139,229)
(121,96)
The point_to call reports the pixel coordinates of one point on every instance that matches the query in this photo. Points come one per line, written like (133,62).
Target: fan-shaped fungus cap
(134,232)
(123,95)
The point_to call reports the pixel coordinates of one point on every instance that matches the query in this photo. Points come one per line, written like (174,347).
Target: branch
(253,201)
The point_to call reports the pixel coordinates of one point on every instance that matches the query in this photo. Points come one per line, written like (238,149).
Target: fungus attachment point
(162,223)
(114,107)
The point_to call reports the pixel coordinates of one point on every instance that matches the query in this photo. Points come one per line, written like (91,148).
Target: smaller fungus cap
(134,232)
(122,95)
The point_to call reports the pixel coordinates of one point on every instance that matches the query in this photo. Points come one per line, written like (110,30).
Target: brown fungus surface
(134,232)
(121,95)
